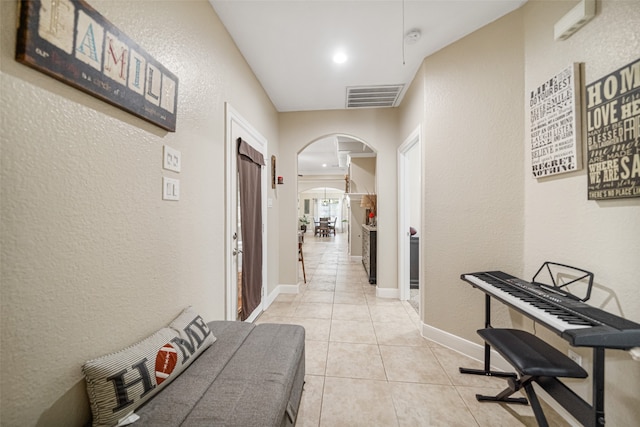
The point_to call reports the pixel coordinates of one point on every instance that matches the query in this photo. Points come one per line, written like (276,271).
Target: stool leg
(301,258)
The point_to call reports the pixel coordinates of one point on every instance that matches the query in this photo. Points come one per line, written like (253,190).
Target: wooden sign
(70,41)
(556,137)
(613,134)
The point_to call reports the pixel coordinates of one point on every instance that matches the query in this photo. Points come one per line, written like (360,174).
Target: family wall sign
(70,41)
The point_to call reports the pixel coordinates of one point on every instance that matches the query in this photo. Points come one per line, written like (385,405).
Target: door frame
(234,119)
(403,213)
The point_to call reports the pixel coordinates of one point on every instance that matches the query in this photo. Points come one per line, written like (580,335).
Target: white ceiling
(289,45)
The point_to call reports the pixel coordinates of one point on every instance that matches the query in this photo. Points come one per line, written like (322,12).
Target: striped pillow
(120,382)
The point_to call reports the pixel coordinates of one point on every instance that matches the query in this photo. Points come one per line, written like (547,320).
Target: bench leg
(503,396)
(535,405)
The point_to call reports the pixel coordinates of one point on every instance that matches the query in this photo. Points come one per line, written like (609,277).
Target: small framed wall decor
(613,134)
(72,42)
(273,171)
(556,126)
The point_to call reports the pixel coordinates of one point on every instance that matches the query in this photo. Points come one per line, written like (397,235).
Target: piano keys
(579,323)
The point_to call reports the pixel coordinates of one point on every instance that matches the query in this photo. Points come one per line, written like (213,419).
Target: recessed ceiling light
(340,58)
(324,165)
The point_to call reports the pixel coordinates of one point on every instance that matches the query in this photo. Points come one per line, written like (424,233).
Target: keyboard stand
(589,415)
(487,372)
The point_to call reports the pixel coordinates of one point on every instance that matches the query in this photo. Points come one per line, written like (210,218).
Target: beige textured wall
(560,223)
(472,157)
(362,174)
(307,183)
(376,127)
(412,109)
(92,258)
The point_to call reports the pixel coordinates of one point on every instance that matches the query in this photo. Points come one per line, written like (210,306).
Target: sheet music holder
(581,278)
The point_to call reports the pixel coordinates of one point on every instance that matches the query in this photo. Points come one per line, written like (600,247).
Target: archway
(334,173)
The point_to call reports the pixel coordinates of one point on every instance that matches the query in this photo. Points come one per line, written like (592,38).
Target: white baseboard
(280,289)
(463,346)
(387,292)
(289,289)
(476,351)
(253,316)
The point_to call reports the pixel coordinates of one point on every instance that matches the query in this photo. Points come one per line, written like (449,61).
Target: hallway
(366,363)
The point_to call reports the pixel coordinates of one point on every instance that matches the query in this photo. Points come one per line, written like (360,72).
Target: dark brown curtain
(250,163)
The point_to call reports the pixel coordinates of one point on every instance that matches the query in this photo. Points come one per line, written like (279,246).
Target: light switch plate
(170,188)
(172,159)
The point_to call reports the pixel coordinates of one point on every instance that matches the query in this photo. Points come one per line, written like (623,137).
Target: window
(328,208)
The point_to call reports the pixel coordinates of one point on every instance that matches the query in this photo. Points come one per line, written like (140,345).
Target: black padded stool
(534,360)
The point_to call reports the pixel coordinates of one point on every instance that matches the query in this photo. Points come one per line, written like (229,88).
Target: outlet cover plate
(575,357)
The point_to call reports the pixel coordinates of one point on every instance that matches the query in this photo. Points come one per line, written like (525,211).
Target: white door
(409,194)
(237,127)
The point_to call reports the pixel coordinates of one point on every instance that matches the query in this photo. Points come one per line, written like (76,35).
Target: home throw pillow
(118,383)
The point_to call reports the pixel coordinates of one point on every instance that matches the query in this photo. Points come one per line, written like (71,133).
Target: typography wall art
(70,41)
(613,134)
(556,137)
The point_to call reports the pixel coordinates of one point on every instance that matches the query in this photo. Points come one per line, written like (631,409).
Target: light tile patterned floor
(366,363)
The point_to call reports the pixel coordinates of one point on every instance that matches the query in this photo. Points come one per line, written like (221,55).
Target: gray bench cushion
(172,407)
(251,376)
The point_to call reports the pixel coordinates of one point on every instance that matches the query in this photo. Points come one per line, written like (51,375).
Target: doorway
(237,128)
(410,219)
(318,203)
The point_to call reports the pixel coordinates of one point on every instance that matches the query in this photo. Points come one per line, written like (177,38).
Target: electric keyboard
(579,323)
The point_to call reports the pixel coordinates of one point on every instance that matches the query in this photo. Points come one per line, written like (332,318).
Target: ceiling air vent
(373,96)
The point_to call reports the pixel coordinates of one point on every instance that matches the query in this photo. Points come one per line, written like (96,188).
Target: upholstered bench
(534,360)
(220,373)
